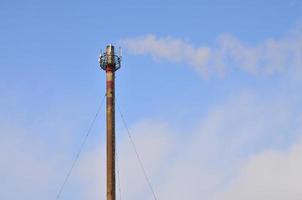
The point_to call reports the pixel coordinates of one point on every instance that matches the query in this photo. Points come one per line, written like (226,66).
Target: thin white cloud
(272,175)
(225,155)
(154,141)
(208,162)
(271,56)
(27,169)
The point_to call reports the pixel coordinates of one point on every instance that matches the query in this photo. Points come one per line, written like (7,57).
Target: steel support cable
(136,153)
(81,148)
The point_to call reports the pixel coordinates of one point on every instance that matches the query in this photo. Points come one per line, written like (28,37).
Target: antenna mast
(110,63)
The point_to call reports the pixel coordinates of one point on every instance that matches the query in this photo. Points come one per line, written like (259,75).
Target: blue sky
(214,85)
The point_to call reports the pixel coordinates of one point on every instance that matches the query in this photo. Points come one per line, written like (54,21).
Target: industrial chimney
(110,62)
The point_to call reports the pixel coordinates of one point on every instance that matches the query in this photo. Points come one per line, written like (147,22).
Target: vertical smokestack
(110,63)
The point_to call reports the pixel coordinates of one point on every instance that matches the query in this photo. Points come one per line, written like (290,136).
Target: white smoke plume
(266,58)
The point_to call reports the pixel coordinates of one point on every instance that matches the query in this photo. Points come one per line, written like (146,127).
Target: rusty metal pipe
(110,63)
(110,113)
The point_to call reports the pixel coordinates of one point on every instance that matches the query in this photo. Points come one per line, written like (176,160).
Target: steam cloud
(269,57)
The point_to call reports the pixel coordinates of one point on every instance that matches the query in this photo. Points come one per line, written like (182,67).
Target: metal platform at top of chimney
(109,59)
